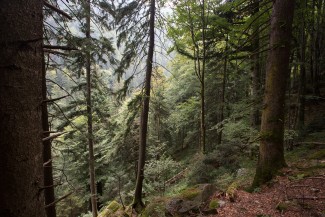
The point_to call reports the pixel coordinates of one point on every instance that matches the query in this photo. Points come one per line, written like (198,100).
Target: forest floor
(299,190)
(290,195)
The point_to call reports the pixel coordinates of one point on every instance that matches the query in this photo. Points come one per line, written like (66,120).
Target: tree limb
(57,10)
(48,46)
(53,136)
(55,99)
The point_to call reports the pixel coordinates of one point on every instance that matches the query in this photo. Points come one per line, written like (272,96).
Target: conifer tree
(21,131)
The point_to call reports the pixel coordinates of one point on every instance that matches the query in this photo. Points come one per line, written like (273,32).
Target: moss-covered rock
(190,200)
(156,208)
(113,209)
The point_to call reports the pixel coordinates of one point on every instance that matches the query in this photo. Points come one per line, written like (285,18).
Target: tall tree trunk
(302,80)
(271,153)
(21,145)
(256,77)
(47,153)
(137,203)
(317,48)
(202,81)
(312,43)
(223,93)
(93,197)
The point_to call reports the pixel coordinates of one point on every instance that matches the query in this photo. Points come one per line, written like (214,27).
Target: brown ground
(284,197)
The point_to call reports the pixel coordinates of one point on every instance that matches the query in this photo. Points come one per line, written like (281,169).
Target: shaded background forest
(207,90)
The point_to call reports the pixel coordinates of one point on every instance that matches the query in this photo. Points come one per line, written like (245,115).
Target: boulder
(191,200)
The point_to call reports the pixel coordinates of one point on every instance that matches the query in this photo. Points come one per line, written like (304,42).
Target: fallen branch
(55,99)
(57,10)
(176,177)
(53,136)
(310,143)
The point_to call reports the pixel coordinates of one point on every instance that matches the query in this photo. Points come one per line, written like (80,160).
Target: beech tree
(271,153)
(21,38)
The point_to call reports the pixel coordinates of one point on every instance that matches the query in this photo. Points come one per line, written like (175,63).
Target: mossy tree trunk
(21,160)
(271,153)
(138,205)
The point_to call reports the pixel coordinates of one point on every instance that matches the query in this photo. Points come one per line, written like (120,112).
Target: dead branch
(47,162)
(310,143)
(58,200)
(54,52)
(50,186)
(46,132)
(55,99)
(53,136)
(57,10)
(47,46)
(176,177)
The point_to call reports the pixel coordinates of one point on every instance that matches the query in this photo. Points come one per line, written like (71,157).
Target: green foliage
(213,204)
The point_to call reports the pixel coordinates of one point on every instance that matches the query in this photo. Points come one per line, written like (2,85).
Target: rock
(110,209)
(173,205)
(207,191)
(187,206)
(190,200)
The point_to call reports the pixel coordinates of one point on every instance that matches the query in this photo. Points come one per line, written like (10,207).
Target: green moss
(114,206)
(232,188)
(282,206)
(156,208)
(213,204)
(190,193)
(110,209)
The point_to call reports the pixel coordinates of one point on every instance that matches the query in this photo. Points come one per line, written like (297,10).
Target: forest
(162,108)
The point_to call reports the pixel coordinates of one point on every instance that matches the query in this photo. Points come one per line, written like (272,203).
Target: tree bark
(271,153)
(202,81)
(137,202)
(91,161)
(256,77)
(21,169)
(302,80)
(47,152)
(223,92)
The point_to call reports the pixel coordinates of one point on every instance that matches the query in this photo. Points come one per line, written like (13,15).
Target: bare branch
(54,52)
(59,47)
(53,136)
(47,162)
(58,200)
(57,10)
(55,99)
